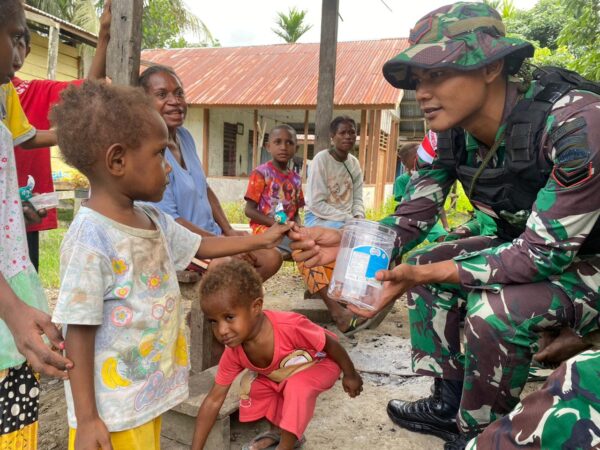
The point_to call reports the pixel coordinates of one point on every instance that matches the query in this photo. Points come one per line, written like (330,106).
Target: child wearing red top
(274,183)
(290,359)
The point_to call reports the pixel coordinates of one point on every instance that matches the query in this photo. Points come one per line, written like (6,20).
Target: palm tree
(290,25)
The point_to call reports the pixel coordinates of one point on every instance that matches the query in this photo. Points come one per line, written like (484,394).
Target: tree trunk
(327,56)
(123,62)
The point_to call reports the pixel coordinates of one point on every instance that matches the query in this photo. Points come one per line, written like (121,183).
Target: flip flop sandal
(370,324)
(299,444)
(355,326)
(265,435)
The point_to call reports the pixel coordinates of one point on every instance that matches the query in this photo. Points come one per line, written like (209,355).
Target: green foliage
(566,33)
(235,211)
(387,209)
(506,8)
(581,35)
(561,57)
(291,25)
(49,256)
(165,21)
(541,24)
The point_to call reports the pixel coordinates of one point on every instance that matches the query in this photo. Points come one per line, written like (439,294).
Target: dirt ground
(339,422)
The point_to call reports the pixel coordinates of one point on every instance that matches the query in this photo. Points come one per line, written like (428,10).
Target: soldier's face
(450,98)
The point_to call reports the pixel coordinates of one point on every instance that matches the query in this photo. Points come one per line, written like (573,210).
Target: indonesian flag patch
(426,151)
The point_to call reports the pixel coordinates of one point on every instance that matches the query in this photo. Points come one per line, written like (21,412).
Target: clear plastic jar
(366,248)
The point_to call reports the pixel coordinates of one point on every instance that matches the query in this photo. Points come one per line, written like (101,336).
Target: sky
(244,22)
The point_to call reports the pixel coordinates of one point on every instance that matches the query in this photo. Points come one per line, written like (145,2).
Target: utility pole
(327,56)
(123,62)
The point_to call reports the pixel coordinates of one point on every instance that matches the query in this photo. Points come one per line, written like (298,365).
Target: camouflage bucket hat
(463,36)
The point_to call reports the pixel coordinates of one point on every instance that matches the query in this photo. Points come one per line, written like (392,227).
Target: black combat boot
(459,442)
(433,415)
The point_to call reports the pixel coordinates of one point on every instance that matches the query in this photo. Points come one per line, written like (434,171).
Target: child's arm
(98,67)
(27,325)
(255,215)
(207,415)
(91,430)
(41,139)
(351,380)
(215,247)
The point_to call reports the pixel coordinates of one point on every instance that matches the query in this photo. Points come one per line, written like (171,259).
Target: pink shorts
(290,405)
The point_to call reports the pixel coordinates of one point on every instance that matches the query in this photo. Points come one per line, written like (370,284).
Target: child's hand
(33,216)
(92,435)
(352,383)
(274,235)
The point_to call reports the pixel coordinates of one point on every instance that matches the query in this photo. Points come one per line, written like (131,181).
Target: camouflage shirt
(562,215)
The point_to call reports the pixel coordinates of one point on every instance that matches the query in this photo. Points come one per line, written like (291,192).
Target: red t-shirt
(291,332)
(37,97)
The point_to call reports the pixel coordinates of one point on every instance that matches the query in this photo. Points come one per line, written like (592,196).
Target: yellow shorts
(23,439)
(144,437)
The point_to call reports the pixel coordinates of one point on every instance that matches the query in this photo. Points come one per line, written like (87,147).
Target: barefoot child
(273,183)
(290,359)
(119,296)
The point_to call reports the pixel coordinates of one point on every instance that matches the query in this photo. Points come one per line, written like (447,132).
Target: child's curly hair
(92,117)
(237,278)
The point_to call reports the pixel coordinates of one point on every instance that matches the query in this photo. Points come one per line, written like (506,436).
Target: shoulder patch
(570,177)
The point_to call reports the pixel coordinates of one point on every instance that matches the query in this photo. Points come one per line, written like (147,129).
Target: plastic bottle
(366,248)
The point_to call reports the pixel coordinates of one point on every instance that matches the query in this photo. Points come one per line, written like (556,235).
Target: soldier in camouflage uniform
(565,413)
(542,271)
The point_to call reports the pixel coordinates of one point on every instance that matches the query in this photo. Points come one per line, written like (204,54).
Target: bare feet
(556,349)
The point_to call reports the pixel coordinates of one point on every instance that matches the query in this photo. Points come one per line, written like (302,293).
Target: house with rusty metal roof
(237,94)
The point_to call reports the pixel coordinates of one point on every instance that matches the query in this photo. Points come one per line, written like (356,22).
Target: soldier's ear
(493,70)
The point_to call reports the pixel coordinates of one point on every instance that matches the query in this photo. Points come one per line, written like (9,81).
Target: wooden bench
(205,351)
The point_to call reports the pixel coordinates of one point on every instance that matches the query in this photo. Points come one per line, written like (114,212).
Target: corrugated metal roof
(282,76)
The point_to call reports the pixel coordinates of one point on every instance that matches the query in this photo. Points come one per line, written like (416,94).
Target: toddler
(290,360)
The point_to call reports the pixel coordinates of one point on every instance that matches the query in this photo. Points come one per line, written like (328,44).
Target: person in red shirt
(37,97)
(290,360)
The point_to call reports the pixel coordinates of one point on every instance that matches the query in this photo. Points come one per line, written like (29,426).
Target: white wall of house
(267,117)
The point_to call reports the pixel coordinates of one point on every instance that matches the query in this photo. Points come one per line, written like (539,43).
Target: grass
(49,256)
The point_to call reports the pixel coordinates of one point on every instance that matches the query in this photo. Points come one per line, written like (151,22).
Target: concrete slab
(179,422)
(384,354)
(312,308)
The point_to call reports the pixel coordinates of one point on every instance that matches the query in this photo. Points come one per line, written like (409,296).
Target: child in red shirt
(290,359)
(273,183)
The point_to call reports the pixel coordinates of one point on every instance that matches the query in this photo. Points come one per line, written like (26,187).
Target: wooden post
(305,147)
(379,160)
(326,86)
(123,62)
(205,140)
(371,148)
(255,158)
(362,145)
(53,42)
(392,152)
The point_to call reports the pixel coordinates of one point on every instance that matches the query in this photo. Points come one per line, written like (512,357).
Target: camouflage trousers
(564,413)
(501,328)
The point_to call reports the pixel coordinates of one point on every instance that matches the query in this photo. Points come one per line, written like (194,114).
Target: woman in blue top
(188,197)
